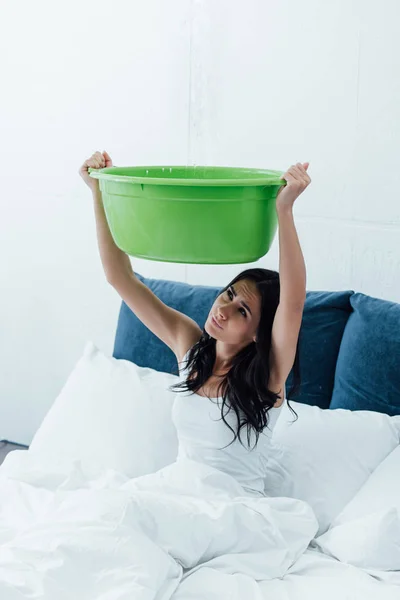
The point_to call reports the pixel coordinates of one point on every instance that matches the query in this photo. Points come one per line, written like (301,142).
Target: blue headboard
(368,367)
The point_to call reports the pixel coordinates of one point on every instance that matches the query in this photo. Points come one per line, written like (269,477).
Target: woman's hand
(297,181)
(98,160)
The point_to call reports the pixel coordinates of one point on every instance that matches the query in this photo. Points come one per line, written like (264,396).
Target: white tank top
(202,435)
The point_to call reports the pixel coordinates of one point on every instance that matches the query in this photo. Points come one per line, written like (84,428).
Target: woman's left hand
(297,181)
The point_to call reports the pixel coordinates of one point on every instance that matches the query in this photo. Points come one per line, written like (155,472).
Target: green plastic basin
(191,214)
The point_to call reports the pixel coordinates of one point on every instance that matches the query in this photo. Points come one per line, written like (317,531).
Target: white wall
(256,83)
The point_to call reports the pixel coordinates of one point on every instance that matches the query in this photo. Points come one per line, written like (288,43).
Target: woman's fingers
(301,173)
(96,161)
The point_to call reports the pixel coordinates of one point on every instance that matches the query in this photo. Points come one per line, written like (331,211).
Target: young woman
(242,357)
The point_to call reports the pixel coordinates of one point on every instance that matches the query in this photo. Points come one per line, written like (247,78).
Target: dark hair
(245,382)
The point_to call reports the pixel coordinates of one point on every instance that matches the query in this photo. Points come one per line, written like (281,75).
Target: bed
(99,507)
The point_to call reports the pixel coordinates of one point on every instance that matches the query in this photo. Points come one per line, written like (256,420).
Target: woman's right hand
(98,160)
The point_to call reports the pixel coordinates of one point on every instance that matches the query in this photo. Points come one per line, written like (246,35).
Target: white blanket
(187,531)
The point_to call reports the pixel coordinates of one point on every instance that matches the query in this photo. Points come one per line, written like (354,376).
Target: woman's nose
(221,313)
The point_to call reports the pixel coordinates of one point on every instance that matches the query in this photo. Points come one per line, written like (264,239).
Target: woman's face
(237,310)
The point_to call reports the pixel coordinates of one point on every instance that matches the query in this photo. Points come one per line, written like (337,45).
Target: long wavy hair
(244,387)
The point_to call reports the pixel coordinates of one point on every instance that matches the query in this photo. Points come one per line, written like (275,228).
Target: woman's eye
(244,312)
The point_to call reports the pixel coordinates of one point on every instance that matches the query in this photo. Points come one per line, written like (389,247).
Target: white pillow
(370,542)
(367,532)
(326,456)
(111,413)
(380,493)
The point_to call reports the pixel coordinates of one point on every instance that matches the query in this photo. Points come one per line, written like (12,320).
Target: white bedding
(187,531)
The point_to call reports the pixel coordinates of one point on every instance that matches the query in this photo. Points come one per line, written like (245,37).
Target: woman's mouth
(215,323)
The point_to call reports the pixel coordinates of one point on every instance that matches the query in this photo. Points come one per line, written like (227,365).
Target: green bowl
(201,215)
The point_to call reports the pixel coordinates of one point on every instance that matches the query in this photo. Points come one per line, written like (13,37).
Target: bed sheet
(69,531)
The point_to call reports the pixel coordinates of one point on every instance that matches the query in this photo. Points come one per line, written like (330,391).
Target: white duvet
(185,532)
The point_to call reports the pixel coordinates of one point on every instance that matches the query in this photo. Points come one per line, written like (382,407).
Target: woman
(241,359)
